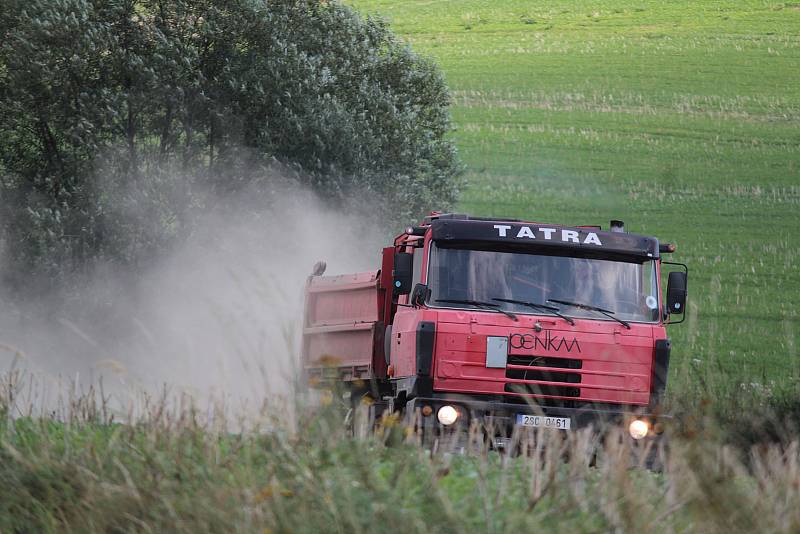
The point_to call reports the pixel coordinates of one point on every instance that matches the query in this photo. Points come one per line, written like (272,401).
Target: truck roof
(508,234)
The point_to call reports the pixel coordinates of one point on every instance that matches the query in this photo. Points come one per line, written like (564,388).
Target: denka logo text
(548,342)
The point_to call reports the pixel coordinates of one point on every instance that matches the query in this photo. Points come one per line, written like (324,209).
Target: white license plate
(542,421)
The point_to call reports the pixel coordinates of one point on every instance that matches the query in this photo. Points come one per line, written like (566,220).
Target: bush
(121,120)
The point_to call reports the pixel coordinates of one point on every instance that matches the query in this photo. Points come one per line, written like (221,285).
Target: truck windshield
(629,290)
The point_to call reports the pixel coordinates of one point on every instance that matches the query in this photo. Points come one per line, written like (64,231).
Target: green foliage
(169,471)
(119,121)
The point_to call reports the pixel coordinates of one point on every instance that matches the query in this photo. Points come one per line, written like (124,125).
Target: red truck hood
(546,357)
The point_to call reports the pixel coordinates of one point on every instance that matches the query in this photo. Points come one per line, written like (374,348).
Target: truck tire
(387,344)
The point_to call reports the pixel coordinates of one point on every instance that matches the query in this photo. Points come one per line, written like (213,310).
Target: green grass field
(682,119)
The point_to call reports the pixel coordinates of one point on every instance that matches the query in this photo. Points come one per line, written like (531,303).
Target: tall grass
(176,467)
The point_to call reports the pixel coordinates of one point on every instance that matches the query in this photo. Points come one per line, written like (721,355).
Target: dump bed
(342,330)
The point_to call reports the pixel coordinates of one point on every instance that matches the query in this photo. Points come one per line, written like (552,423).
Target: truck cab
(524,323)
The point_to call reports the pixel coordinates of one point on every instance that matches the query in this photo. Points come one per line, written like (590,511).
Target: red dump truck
(472,319)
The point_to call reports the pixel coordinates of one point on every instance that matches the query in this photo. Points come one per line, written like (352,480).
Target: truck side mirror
(676,292)
(420,295)
(403,273)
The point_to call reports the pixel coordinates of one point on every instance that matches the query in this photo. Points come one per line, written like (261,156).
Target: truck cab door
(403,333)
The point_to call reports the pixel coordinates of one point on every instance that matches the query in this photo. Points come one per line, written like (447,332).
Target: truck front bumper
(503,416)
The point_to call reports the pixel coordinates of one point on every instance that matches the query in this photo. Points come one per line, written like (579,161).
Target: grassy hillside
(681,118)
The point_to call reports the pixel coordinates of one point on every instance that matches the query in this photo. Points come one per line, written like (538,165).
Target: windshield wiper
(537,306)
(490,306)
(607,313)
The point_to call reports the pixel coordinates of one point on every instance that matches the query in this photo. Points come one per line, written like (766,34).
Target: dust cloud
(218,317)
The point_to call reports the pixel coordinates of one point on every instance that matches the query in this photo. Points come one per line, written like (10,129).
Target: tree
(109,108)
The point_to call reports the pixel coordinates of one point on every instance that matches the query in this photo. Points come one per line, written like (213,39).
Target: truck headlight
(638,429)
(447,415)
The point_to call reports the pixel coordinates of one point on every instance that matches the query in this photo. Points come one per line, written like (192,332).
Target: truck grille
(545,361)
(545,376)
(532,362)
(542,389)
